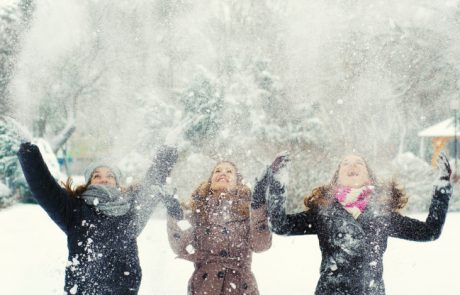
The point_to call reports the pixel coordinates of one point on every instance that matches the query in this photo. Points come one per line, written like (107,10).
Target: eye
(96,176)
(110,176)
(229,171)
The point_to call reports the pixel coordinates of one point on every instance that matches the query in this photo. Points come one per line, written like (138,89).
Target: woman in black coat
(353,216)
(101,220)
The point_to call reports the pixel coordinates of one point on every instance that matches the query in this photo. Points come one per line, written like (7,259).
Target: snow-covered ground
(33,254)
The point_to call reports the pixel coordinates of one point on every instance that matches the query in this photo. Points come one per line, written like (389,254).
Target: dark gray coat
(103,253)
(352,249)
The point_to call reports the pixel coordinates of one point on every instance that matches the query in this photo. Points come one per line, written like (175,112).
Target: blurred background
(88,79)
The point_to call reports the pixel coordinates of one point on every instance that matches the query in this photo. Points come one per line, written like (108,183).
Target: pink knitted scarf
(354,200)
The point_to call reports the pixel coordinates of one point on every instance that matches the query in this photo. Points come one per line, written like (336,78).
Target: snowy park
(34,256)
(240,108)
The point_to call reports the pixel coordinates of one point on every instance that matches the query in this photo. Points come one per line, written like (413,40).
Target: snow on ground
(33,254)
(4,190)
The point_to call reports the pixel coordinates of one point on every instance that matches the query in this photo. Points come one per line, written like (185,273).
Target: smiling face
(103,175)
(223,177)
(353,172)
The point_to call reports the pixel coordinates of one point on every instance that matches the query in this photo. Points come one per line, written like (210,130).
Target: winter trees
(10,176)
(14,20)
(250,78)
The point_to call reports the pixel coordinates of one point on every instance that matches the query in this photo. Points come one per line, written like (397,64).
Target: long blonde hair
(240,197)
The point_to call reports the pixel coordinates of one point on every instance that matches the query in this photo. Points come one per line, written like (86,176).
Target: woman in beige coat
(223,231)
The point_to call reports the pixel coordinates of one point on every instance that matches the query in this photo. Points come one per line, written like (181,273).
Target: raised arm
(52,197)
(303,223)
(415,230)
(151,191)
(162,165)
(271,191)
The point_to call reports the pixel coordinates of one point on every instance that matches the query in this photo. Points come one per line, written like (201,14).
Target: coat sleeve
(182,238)
(303,223)
(52,197)
(411,229)
(260,235)
(143,205)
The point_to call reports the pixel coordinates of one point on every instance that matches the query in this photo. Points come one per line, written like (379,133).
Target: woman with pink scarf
(353,216)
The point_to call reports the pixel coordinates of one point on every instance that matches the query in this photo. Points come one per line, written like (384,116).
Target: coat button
(244,286)
(220,274)
(205,276)
(263,228)
(225,231)
(207,231)
(223,253)
(176,236)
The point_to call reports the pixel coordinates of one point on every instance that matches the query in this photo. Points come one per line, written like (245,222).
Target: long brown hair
(77,191)
(393,197)
(240,195)
(80,189)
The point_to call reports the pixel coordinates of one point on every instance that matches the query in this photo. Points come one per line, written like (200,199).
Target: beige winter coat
(222,233)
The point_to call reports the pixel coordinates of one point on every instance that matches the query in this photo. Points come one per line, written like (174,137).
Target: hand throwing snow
(444,167)
(280,161)
(443,182)
(175,135)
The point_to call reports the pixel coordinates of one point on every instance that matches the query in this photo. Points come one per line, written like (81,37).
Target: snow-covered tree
(14,20)
(252,77)
(11,178)
(203,103)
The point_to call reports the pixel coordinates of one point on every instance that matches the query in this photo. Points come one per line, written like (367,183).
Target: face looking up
(353,172)
(223,177)
(103,175)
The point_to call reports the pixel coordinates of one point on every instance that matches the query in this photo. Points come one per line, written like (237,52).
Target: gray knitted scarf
(108,199)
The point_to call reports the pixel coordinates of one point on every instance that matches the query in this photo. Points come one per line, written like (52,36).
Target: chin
(358,185)
(219,186)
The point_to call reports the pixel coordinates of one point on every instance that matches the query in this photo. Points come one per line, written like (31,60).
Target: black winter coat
(103,253)
(352,249)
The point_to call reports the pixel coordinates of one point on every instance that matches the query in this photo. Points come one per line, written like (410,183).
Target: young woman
(224,231)
(353,216)
(101,220)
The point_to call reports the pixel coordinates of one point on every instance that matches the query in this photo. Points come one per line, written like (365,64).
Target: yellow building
(440,134)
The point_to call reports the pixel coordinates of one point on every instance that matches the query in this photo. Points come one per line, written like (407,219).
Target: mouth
(353,174)
(222,179)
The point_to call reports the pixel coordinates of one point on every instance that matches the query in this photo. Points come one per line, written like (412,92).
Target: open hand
(445,170)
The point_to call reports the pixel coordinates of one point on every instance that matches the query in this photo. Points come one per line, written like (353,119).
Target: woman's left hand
(280,161)
(445,171)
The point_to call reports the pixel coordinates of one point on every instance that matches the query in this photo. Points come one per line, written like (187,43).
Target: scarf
(354,200)
(108,199)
